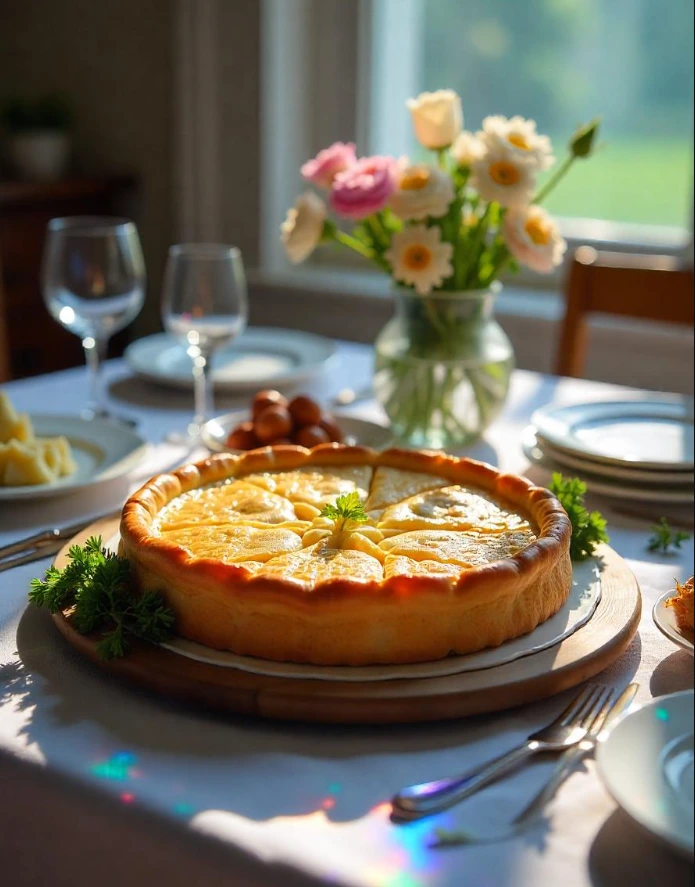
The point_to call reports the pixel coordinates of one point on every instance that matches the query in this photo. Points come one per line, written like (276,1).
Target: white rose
(422,191)
(437,118)
(302,230)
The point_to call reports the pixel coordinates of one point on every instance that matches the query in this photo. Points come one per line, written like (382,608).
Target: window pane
(565,61)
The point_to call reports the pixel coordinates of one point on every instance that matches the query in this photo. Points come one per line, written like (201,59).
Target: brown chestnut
(265,399)
(243,437)
(305,411)
(310,436)
(272,423)
(330,426)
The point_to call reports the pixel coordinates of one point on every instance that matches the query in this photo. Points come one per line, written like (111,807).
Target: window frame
(385,41)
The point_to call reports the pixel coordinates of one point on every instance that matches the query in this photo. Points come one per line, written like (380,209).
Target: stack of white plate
(639,449)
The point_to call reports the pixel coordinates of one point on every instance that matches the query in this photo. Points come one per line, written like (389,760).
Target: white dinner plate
(261,357)
(654,432)
(635,492)
(646,763)
(665,620)
(617,472)
(102,450)
(355,431)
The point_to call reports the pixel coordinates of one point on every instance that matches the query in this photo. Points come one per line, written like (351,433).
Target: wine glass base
(192,435)
(91,413)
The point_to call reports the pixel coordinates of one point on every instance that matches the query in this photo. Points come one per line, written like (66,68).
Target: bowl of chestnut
(275,419)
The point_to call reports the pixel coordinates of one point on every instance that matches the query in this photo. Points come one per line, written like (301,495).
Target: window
(337,70)
(559,62)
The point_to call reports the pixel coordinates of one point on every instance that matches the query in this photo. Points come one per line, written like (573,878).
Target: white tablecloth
(315,797)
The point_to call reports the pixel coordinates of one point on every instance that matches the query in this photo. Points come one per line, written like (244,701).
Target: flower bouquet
(444,231)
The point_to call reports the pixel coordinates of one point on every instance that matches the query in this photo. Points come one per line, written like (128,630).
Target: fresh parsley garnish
(664,538)
(348,507)
(96,584)
(588,527)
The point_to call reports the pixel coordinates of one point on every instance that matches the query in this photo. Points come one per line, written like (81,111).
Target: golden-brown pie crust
(404,618)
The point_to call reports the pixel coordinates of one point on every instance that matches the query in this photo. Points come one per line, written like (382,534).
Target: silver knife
(35,555)
(46,541)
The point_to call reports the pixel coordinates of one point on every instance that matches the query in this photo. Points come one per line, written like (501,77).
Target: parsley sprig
(348,508)
(96,584)
(664,538)
(588,527)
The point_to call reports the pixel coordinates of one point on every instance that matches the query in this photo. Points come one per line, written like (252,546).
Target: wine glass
(93,281)
(204,304)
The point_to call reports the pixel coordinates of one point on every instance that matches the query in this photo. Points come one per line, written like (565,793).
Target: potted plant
(444,231)
(38,135)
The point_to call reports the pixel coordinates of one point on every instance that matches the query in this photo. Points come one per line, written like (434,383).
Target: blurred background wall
(116,60)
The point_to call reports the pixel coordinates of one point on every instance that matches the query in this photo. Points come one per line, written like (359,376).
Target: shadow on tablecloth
(623,854)
(673,674)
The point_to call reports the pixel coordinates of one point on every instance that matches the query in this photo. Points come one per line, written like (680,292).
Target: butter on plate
(26,459)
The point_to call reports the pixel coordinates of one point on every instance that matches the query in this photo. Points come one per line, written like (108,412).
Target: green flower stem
(476,241)
(354,244)
(555,179)
(380,234)
(434,317)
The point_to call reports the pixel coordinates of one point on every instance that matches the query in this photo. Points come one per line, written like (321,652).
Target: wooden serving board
(584,654)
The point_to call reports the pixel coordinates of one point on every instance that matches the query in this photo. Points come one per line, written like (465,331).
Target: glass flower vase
(442,367)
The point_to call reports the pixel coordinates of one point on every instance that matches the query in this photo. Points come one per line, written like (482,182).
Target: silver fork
(567,730)
(531,813)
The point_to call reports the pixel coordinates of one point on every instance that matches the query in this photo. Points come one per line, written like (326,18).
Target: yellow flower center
(417,257)
(518,141)
(416,179)
(504,173)
(538,230)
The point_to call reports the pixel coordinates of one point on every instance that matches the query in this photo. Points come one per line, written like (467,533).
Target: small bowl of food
(274,419)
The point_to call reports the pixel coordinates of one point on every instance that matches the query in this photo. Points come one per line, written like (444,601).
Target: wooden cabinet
(31,342)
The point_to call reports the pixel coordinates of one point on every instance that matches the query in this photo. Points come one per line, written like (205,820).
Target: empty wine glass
(204,304)
(93,281)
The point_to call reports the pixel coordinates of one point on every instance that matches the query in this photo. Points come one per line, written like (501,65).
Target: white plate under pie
(653,432)
(584,598)
(578,610)
(665,620)
(262,357)
(647,763)
(355,431)
(102,450)
(603,486)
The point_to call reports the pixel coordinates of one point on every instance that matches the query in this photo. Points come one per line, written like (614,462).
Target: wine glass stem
(202,389)
(94,352)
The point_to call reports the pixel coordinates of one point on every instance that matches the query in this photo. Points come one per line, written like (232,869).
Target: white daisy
(419,258)
(534,238)
(302,230)
(467,148)
(422,191)
(500,177)
(518,136)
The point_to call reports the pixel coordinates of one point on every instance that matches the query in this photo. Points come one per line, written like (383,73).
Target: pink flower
(328,163)
(364,188)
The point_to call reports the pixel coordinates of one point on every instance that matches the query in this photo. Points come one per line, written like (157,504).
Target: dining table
(103,782)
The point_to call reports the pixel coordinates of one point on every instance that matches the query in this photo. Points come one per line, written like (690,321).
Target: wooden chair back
(658,288)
